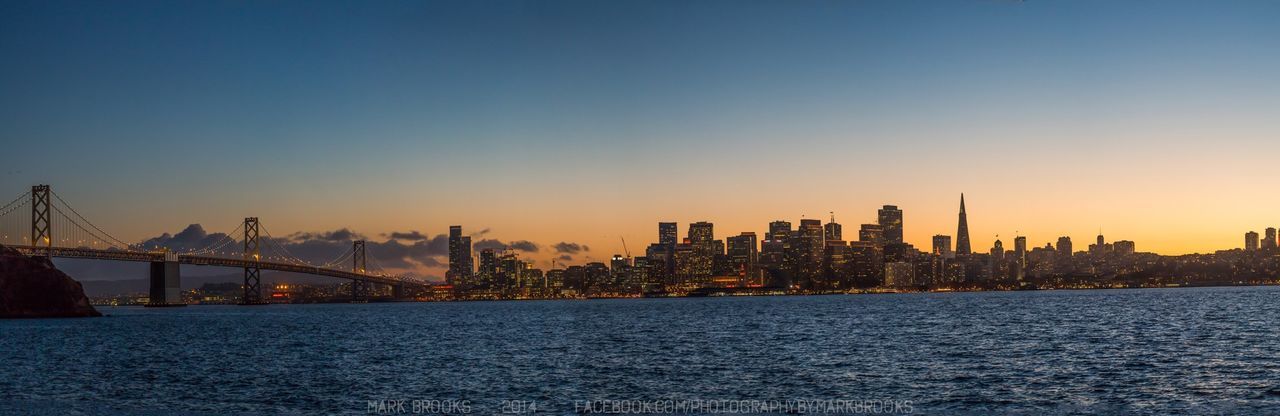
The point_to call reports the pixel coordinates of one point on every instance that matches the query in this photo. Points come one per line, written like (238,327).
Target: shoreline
(868,292)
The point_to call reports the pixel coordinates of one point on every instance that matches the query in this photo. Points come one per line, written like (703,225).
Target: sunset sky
(587,121)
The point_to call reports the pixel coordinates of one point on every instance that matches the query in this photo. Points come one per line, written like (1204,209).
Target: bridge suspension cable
(106,236)
(74,234)
(21,199)
(377,266)
(15,223)
(280,250)
(342,258)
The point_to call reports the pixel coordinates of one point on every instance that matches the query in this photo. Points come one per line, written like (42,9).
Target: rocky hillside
(33,288)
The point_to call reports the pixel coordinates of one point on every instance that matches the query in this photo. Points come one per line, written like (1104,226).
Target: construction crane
(624,249)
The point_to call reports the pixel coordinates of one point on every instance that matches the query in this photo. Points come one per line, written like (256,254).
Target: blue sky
(387,116)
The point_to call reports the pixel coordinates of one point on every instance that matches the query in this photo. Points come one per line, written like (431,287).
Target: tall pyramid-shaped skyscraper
(962,232)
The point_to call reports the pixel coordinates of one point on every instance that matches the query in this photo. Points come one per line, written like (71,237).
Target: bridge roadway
(158,256)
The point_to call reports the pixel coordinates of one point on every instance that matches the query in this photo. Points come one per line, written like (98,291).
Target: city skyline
(428,255)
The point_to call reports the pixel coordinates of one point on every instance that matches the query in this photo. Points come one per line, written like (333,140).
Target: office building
(891,223)
(962,232)
(942,246)
(460,267)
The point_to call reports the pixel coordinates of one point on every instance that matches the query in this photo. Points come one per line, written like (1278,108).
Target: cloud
(342,234)
(571,248)
(432,262)
(480,233)
(565,257)
(194,237)
(496,245)
(408,235)
(488,244)
(436,246)
(525,245)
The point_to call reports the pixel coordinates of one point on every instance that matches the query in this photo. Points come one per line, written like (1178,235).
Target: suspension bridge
(58,230)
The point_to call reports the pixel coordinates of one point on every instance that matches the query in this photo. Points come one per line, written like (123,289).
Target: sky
(587,122)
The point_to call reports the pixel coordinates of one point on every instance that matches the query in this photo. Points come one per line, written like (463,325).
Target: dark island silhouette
(31,287)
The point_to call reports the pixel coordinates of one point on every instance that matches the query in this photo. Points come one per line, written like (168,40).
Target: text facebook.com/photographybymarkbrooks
(643,407)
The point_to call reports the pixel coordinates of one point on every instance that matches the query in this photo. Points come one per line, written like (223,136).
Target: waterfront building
(806,253)
(702,241)
(619,272)
(555,280)
(643,270)
(743,255)
(899,275)
(866,264)
(835,265)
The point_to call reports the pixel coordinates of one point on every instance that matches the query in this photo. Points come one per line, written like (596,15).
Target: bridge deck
(119,255)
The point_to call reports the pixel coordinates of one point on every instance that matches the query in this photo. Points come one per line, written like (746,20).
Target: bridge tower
(359,288)
(252,281)
(41,232)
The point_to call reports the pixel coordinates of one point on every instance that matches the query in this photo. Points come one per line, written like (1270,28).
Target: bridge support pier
(359,291)
(166,282)
(397,291)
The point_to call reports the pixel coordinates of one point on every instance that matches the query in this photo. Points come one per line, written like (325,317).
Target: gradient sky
(583,121)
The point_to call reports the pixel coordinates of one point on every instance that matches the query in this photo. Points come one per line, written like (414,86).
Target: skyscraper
(999,268)
(460,267)
(1020,259)
(778,231)
(1064,247)
(835,265)
(806,252)
(619,271)
(743,254)
(1101,247)
(488,271)
(1251,241)
(866,265)
(832,230)
(701,232)
(891,222)
(942,246)
(663,253)
(702,241)
(667,234)
(871,233)
(962,232)
(1269,241)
